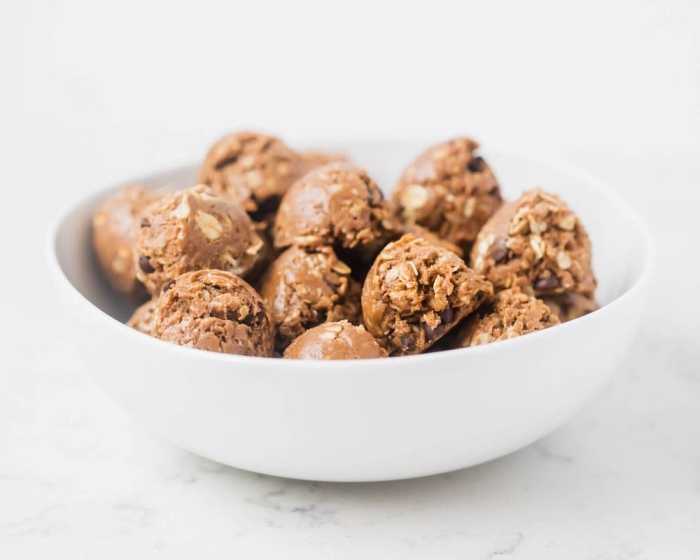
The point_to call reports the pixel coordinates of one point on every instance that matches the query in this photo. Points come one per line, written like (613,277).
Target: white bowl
(372,419)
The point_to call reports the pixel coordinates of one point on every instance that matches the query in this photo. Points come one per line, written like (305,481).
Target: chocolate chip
(168,284)
(145,222)
(499,251)
(249,319)
(432,334)
(408,344)
(145,265)
(499,254)
(494,191)
(547,283)
(252,319)
(226,162)
(447,315)
(476,164)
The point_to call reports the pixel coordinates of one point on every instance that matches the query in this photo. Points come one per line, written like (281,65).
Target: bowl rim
(640,282)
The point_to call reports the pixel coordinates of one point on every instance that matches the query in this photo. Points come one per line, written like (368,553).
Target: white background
(600,76)
(92,93)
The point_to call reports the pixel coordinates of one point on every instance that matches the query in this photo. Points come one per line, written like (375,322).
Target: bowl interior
(621,247)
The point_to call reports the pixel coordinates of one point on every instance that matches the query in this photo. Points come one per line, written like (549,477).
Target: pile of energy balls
(279,253)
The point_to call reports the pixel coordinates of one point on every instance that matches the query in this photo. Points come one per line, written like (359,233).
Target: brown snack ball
(114,227)
(214,310)
(570,306)
(144,317)
(253,169)
(537,243)
(306,287)
(313,159)
(416,292)
(449,190)
(193,229)
(335,341)
(335,205)
(512,313)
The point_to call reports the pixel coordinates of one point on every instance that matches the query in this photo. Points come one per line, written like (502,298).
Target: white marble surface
(79,479)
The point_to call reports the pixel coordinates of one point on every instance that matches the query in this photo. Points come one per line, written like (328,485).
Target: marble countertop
(79,479)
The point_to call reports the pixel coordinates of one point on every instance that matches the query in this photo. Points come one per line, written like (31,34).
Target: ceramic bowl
(370,419)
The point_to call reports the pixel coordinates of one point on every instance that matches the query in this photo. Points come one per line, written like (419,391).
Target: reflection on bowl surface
(371,419)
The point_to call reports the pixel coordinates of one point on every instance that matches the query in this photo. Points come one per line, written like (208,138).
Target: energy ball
(313,159)
(335,341)
(570,306)
(512,313)
(114,227)
(253,169)
(306,287)
(214,310)
(335,205)
(537,243)
(144,317)
(193,229)
(416,292)
(450,190)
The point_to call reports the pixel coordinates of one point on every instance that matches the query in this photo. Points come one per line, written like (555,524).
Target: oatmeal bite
(335,205)
(193,229)
(214,310)
(416,292)
(306,287)
(335,341)
(253,169)
(114,228)
(450,190)
(512,313)
(538,244)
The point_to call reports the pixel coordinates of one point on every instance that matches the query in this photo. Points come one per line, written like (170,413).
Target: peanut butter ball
(114,227)
(416,292)
(193,229)
(305,287)
(335,341)
(214,310)
(450,190)
(512,313)
(336,205)
(538,244)
(251,168)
